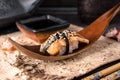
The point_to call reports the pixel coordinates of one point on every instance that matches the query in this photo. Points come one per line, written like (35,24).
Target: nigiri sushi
(61,43)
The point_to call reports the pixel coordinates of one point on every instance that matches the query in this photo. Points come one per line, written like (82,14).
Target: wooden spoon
(91,32)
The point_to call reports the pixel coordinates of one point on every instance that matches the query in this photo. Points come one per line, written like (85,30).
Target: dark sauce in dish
(41,24)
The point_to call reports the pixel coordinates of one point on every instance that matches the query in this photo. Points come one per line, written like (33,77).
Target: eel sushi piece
(61,43)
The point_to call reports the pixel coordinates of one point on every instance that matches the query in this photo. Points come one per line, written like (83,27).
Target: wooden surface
(103,51)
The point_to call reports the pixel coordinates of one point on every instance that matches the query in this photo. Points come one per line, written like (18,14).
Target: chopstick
(103,72)
(112,76)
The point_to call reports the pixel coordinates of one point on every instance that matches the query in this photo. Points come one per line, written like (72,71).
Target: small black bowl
(39,28)
(43,23)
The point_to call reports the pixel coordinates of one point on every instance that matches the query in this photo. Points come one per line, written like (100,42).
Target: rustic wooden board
(16,66)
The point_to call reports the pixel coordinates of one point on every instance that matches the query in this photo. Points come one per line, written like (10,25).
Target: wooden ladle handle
(95,29)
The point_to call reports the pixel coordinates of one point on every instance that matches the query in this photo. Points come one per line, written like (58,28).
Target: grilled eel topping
(54,37)
(66,34)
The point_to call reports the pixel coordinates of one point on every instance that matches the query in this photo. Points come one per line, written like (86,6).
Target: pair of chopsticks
(113,76)
(109,73)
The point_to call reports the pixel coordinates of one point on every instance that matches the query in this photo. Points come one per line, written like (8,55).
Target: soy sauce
(41,24)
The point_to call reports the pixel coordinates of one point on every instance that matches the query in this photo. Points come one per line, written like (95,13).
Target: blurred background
(79,12)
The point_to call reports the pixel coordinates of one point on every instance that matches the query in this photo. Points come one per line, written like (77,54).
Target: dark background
(65,9)
(79,12)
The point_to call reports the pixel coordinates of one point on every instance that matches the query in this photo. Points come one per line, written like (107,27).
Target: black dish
(43,23)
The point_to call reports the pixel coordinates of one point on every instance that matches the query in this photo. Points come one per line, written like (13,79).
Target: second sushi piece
(61,43)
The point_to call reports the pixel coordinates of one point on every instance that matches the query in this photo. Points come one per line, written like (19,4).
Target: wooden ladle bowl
(92,32)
